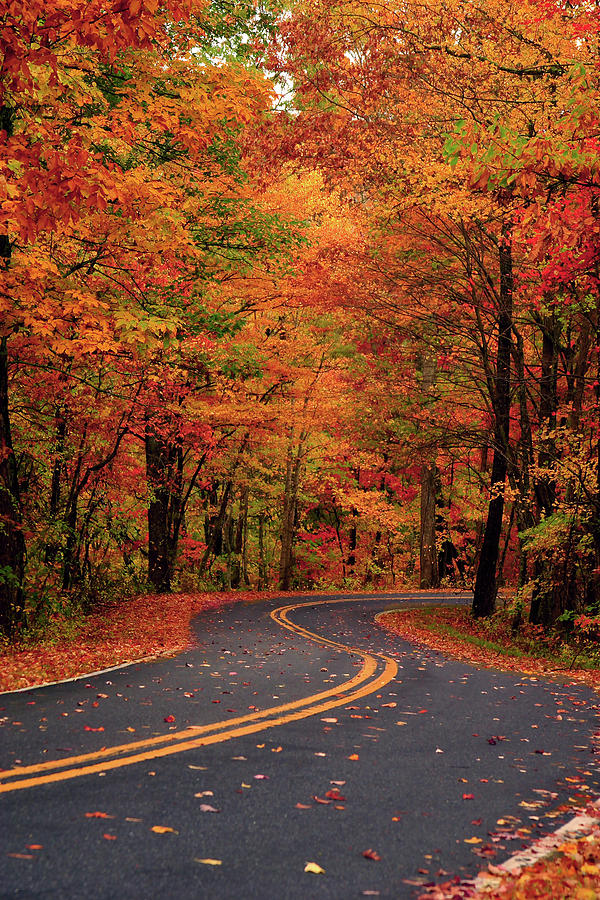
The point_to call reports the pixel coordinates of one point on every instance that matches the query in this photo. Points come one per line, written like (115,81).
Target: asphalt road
(198,776)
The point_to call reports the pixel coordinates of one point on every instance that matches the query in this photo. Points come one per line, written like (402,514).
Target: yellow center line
(229,728)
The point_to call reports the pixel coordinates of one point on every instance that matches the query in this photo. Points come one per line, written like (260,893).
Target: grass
(493,642)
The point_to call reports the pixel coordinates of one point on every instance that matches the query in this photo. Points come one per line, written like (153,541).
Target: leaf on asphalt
(261,776)
(473,840)
(468,796)
(329,720)
(315,868)
(199,768)
(89,728)
(35,847)
(239,757)
(339,783)
(210,862)
(109,837)
(169,718)
(21,855)
(371,854)
(98,815)
(334,795)
(303,806)
(163,829)
(389,705)
(205,807)
(353,756)
(320,799)
(204,794)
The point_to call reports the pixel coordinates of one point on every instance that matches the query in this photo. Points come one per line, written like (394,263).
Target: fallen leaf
(354,756)
(205,807)
(89,728)
(109,837)
(98,815)
(163,829)
(314,867)
(468,796)
(371,854)
(334,795)
(169,718)
(35,847)
(210,862)
(303,806)
(204,794)
(473,840)
(389,705)
(261,776)
(21,855)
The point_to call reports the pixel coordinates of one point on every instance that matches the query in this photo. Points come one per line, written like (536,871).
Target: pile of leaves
(572,872)
(493,642)
(137,628)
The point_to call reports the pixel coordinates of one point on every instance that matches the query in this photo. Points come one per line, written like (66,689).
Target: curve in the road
(377,669)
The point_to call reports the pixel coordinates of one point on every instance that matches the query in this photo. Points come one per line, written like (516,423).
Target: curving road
(293,733)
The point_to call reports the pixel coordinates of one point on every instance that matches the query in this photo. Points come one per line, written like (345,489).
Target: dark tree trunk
(160,564)
(484,599)
(429,576)
(12,542)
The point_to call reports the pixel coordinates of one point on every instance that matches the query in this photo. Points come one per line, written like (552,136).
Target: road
(275,743)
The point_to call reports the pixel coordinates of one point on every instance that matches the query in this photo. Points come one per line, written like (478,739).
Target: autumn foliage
(299,298)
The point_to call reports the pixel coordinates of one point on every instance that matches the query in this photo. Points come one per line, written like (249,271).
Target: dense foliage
(298,298)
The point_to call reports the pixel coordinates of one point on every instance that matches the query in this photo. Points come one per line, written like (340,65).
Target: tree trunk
(157,466)
(428,556)
(12,542)
(262,564)
(484,599)
(288,519)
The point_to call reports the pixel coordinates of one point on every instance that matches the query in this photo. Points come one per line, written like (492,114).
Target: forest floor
(138,628)
(150,626)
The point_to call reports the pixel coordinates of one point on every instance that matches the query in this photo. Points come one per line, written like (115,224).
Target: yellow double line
(366,681)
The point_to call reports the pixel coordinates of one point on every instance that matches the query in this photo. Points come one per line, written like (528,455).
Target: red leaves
(98,815)
(468,796)
(89,728)
(172,718)
(334,795)
(371,854)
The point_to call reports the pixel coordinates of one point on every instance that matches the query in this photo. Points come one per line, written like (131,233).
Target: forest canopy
(299,296)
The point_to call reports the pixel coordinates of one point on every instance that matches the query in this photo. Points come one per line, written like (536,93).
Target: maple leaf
(315,868)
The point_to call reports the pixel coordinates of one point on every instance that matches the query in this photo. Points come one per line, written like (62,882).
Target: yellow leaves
(590,869)
(209,862)
(473,840)
(315,868)
(163,829)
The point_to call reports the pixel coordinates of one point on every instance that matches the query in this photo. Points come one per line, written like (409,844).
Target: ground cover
(117,632)
(494,643)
